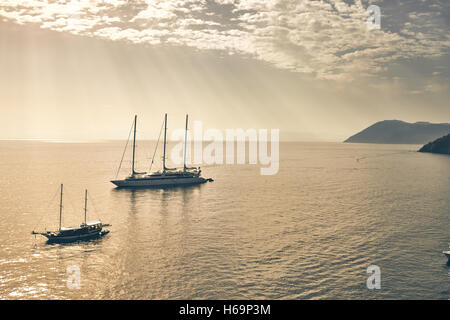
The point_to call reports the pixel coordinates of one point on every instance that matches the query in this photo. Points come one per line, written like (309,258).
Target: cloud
(328,39)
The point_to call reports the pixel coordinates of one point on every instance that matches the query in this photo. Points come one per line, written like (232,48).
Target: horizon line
(52,140)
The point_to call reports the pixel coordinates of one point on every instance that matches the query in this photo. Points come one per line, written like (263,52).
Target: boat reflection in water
(86,231)
(168,177)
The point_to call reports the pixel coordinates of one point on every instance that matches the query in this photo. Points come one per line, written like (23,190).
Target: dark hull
(74,238)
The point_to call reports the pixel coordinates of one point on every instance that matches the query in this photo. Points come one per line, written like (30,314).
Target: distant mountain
(400,132)
(441,145)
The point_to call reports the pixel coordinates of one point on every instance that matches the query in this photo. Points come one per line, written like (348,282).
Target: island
(401,132)
(441,146)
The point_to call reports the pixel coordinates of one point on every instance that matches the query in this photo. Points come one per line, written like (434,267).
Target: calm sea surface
(309,232)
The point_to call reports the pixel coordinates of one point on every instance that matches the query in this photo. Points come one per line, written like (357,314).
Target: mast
(60,207)
(165,133)
(185,143)
(134,144)
(85,206)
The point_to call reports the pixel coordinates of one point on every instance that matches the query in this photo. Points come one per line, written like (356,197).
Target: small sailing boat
(168,177)
(86,231)
(447,254)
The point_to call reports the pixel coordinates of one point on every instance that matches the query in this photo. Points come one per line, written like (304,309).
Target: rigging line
(124,150)
(91,200)
(69,197)
(156,148)
(47,207)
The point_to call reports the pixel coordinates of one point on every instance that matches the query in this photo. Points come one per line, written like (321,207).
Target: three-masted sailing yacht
(168,177)
(86,231)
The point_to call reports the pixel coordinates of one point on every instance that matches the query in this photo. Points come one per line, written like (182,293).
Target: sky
(81,69)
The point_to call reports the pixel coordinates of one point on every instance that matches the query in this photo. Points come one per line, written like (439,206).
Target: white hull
(160,182)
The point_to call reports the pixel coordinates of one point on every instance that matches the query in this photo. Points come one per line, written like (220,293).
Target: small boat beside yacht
(86,231)
(168,177)
(447,254)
